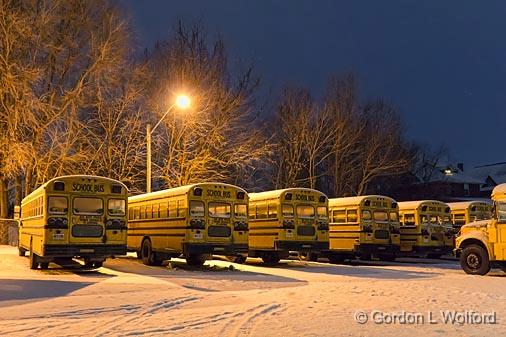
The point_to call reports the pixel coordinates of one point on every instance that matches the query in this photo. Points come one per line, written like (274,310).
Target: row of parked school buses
(93,218)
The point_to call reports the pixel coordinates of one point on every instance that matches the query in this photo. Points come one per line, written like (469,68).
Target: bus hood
(477,224)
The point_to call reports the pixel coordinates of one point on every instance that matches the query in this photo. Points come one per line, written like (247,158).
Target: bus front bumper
(84,250)
(216,248)
(302,246)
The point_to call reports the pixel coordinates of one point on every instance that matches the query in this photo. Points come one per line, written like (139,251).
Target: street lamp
(182,102)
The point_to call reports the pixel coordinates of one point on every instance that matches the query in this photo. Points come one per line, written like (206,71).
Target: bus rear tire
(21,251)
(196,259)
(34,261)
(336,259)
(98,264)
(270,259)
(148,256)
(474,260)
(44,265)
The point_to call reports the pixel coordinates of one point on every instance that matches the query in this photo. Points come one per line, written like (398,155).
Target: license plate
(381,248)
(289,235)
(198,236)
(86,250)
(218,249)
(306,246)
(58,236)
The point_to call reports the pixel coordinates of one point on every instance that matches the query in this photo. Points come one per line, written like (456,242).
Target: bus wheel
(240,259)
(138,254)
(196,259)
(270,259)
(88,264)
(44,265)
(147,255)
(365,257)
(98,264)
(474,260)
(34,261)
(21,251)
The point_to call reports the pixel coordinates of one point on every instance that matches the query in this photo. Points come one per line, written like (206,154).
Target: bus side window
(273,211)
(172,209)
(164,210)
(252,211)
(262,211)
(137,213)
(156,211)
(149,211)
(130,213)
(339,216)
(181,208)
(351,215)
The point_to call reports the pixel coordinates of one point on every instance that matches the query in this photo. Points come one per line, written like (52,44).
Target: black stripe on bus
(263,234)
(269,227)
(160,228)
(156,234)
(264,220)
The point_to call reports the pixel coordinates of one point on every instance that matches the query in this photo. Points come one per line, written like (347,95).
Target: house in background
(491,175)
(448,184)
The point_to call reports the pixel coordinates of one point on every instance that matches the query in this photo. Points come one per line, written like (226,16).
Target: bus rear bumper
(377,249)
(302,246)
(84,250)
(215,248)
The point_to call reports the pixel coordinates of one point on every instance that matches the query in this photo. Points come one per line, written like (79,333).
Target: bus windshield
(57,205)
(501,211)
(305,211)
(219,210)
(88,206)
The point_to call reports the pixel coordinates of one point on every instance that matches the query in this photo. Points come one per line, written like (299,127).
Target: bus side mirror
(17,212)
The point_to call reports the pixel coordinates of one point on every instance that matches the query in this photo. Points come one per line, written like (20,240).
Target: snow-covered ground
(126,298)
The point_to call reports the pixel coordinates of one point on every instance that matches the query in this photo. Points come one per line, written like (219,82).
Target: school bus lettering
(219,194)
(93,188)
(304,197)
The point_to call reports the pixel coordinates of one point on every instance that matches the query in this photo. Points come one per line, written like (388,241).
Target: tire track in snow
(253,317)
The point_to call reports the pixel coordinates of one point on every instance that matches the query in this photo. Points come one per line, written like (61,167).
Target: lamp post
(182,102)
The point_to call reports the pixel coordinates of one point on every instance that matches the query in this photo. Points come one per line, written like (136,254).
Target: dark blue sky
(443,63)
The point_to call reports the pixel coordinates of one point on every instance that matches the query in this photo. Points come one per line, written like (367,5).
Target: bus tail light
(288,224)
(425,232)
(197,224)
(367,228)
(240,226)
(323,226)
(395,230)
(61,223)
(115,224)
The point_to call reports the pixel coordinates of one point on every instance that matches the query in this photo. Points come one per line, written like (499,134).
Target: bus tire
(88,264)
(98,264)
(148,255)
(240,259)
(34,261)
(138,254)
(196,259)
(44,265)
(474,260)
(270,259)
(365,257)
(21,251)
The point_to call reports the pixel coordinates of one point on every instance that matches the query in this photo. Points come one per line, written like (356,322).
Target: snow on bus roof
(467,204)
(499,190)
(180,190)
(417,203)
(357,200)
(274,194)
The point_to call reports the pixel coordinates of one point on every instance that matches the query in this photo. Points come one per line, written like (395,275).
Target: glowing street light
(182,102)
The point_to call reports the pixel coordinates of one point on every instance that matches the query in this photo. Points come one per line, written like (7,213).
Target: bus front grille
(90,231)
(381,234)
(219,231)
(305,230)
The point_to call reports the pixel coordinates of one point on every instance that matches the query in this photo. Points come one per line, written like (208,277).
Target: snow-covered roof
(452,175)
(355,201)
(496,172)
(499,191)
(467,204)
(419,203)
(276,194)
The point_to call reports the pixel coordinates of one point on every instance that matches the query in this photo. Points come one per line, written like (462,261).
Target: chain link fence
(9,232)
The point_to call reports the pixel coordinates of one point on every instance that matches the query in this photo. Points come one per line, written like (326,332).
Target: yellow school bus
(426,229)
(482,243)
(195,221)
(469,211)
(74,216)
(363,226)
(292,219)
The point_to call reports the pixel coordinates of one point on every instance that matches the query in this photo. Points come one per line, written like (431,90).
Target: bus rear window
(240,211)
(409,219)
(394,216)
(57,205)
(380,216)
(88,206)
(305,211)
(287,210)
(322,212)
(116,207)
(219,210)
(366,215)
(196,208)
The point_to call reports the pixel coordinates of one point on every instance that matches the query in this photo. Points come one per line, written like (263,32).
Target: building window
(466,190)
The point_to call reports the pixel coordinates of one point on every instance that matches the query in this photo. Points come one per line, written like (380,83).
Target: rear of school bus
(294,219)
(469,211)
(74,216)
(422,228)
(363,226)
(195,221)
